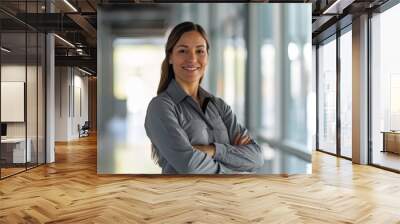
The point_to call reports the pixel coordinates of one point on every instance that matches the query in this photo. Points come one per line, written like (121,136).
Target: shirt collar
(178,94)
(204,94)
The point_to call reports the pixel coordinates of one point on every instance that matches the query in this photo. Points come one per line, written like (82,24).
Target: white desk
(18,150)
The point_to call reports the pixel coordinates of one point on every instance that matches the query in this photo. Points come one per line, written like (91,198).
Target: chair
(84,130)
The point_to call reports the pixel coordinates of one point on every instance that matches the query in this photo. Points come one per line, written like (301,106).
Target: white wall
(61,103)
(71,94)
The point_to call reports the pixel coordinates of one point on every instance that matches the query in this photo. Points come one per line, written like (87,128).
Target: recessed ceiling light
(84,71)
(5,49)
(64,40)
(70,5)
(337,7)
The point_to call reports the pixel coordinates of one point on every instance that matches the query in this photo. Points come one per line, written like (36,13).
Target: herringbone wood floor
(70,191)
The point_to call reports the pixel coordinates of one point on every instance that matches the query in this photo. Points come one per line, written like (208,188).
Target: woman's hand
(209,149)
(241,139)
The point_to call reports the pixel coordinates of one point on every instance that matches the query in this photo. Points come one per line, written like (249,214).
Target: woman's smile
(190,67)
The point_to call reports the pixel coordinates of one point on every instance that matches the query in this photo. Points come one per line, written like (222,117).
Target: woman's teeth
(190,68)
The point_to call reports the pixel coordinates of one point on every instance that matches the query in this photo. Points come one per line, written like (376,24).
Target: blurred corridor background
(260,64)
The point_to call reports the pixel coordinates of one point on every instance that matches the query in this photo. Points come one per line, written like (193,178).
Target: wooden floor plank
(70,191)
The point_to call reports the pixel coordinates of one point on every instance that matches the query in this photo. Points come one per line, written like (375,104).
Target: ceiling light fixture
(337,7)
(64,40)
(70,5)
(5,49)
(84,71)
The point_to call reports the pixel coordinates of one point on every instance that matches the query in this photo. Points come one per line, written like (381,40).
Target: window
(346,94)
(296,84)
(385,85)
(137,64)
(327,97)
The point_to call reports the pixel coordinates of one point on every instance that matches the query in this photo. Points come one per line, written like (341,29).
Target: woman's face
(189,57)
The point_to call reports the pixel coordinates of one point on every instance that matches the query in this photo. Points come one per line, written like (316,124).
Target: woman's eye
(181,51)
(200,51)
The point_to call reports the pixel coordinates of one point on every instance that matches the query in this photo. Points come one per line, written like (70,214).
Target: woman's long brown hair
(167,72)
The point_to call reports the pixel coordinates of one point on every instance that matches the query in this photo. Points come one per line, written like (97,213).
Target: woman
(191,130)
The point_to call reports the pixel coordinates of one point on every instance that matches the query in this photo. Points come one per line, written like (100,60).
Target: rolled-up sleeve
(247,157)
(172,142)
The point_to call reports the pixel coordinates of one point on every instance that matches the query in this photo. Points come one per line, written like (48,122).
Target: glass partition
(327,96)
(41,109)
(385,85)
(22,90)
(31,99)
(14,153)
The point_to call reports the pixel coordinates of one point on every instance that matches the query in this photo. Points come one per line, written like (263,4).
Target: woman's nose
(191,56)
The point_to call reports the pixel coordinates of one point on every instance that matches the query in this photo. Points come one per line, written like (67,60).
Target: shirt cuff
(220,151)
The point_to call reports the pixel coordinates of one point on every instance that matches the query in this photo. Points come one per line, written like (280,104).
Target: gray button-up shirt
(175,122)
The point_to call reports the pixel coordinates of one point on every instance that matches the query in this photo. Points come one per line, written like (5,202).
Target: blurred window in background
(137,69)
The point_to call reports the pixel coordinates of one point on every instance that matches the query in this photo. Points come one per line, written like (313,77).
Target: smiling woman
(191,130)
